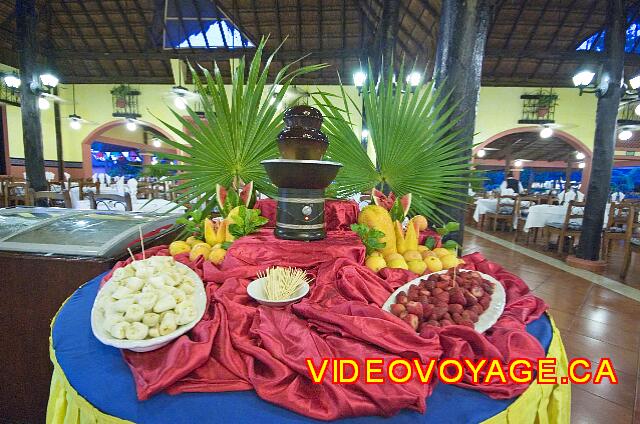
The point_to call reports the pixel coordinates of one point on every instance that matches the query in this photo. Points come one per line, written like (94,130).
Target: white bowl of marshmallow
(147,304)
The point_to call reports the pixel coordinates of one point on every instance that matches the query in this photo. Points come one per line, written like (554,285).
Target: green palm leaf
(418,148)
(238,131)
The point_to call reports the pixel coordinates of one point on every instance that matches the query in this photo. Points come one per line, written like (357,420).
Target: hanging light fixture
(180,103)
(580,155)
(481,153)
(365,133)
(156,142)
(581,165)
(625,135)
(634,82)
(49,80)
(75,121)
(414,78)
(546,132)
(12,81)
(131,125)
(43,103)
(517,163)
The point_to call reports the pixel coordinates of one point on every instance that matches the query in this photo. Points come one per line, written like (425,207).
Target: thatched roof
(531,42)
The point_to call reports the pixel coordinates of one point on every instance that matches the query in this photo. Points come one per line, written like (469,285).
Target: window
(198,24)
(595,43)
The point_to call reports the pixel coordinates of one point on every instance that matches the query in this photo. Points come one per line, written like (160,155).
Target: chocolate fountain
(301,175)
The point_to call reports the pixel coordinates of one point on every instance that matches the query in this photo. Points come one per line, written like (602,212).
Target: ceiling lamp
(583,78)
(625,135)
(365,133)
(75,122)
(156,142)
(11,81)
(481,153)
(581,165)
(131,125)
(546,132)
(180,103)
(517,163)
(580,155)
(49,80)
(43,103)
(359,78)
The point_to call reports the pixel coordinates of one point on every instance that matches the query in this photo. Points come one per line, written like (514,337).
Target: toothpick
(131,253)
(142,242)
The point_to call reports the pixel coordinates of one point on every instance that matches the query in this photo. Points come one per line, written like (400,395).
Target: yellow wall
(93,102)
(500,109)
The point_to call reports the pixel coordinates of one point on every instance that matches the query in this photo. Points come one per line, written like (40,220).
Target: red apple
(397,309)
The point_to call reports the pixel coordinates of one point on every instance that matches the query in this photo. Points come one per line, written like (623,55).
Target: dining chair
(567,228)
(504,211)
(110,201)
(17,194)
(4,180)
(52,198)
(618,221)
(521,212)
(631,240)
(88,186)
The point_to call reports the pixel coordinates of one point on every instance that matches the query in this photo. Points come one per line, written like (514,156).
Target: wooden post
(604,143)
(461,40)
(59,153)
(26,23)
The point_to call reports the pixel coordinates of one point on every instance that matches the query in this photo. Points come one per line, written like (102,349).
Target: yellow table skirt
(540,403)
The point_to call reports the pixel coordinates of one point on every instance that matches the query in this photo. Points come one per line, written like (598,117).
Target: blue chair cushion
(571,227)
(617,229)
(506,210)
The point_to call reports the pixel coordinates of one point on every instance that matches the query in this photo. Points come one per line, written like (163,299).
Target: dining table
(541,215)
(138,205)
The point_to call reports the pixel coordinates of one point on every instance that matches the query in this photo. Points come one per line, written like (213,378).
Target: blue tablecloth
(99,374)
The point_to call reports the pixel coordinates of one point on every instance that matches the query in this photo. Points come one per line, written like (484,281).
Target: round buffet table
(92,383)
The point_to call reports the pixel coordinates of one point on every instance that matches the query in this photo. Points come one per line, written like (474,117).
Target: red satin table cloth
(240,345)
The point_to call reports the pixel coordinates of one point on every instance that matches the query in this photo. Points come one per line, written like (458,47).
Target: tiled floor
(594,321)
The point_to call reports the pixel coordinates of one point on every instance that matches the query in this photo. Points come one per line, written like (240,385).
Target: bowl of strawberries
(451,297)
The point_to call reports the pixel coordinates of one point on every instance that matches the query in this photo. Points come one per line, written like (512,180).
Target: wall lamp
(591,79)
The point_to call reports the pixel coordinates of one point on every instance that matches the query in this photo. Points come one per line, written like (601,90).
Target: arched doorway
(135,146)
(561,152)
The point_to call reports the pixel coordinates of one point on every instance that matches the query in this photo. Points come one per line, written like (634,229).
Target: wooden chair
(147,191)
(52,198)
(86,187)
(631,240)
(521,217)
(567,228)
(619,223)
(505,210)
(4,180)
(17,194)
(110,201)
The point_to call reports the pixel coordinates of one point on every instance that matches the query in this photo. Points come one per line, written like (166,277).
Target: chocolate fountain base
(300,214)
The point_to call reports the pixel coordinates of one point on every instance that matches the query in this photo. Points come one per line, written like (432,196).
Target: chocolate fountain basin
(301,174)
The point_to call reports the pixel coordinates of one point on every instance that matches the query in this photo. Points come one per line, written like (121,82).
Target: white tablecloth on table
(541,215)
(483,206)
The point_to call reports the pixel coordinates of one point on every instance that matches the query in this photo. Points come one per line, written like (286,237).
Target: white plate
(255,289)
(485,320)
(199,297)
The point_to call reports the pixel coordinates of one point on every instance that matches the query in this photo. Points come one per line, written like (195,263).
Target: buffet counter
(45,255)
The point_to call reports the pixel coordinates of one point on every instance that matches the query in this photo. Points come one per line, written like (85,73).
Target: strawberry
(397,309)
(412,320)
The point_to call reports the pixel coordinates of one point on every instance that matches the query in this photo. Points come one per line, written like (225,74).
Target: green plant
(546,100)
(121,91)
(247,221)
(193,222)
(443,231)
(370,237)
(418,147)
(238,131)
